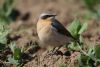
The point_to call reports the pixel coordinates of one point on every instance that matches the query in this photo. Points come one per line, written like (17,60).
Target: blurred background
(21,17)
(29,10)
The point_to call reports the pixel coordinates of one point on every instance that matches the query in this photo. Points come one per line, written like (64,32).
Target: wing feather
(60,28)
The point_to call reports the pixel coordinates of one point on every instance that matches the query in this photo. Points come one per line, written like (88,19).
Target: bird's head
(47,16)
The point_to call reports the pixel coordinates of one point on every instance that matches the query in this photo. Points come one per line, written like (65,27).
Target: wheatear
(51,32)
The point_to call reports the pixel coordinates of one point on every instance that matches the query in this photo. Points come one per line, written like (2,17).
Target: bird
(51,32)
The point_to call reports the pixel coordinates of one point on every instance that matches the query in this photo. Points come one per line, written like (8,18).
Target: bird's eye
(45,17)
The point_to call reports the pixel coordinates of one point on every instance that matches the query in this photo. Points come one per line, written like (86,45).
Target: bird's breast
(49,36)
(44,29)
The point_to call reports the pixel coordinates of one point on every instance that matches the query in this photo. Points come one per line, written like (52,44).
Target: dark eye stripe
(46,16)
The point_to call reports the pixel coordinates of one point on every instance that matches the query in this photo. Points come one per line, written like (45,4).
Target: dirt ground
(66,10)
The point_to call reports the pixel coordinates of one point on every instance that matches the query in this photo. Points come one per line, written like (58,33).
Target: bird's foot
(56,52)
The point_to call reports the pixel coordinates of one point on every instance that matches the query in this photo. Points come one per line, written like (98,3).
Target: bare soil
(24,32)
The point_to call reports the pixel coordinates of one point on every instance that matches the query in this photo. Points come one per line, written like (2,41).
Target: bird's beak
(53,15)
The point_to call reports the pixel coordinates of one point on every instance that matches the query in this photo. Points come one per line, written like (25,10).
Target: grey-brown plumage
(51,32)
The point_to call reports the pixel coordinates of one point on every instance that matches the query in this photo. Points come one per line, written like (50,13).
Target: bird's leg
(51,52)
(54,50)
(58,48)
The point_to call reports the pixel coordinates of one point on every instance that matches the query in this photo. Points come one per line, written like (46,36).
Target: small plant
(62,65)
(90,4)
(76,29)
(4,31)
(86,58)
(5,11)
(16,55)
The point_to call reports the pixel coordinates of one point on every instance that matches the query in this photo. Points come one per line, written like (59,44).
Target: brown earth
(66,10)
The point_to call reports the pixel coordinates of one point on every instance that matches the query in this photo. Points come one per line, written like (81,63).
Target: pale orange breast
(43,29)
(42,24)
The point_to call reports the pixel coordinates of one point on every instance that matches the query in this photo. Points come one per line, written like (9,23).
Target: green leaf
(74,28)
(62,65)
(13,46)
(5,11)
(82,59)
(73,46)
(90,3)
(2,13)
(4,31)
(12,60)
(97,51)
(3,39)
(91,51)
(83,28)
(17,53)
(91,15)
(7,7)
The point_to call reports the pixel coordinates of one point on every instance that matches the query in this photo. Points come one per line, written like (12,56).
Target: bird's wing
(60,28)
